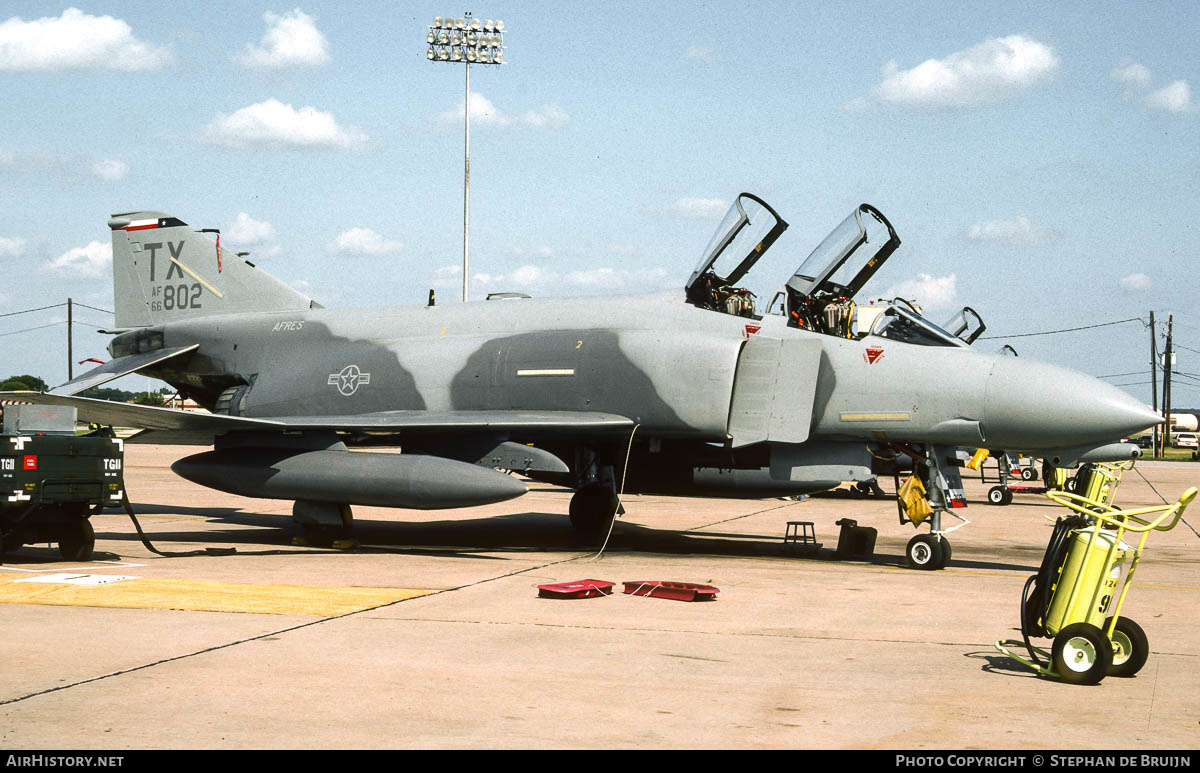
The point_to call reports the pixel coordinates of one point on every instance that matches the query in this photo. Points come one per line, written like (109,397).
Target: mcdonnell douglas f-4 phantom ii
(691,391)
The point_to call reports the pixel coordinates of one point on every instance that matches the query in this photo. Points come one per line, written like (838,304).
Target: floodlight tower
(469,41)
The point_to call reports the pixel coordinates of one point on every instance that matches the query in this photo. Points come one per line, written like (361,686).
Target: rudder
(163,270)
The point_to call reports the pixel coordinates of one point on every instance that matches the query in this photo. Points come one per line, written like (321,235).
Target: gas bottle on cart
(1091,573)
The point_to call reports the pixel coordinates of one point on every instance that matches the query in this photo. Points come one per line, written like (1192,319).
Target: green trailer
(52,480)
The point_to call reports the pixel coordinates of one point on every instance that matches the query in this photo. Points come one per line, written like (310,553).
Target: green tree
(106,393)
(149,398)
(23,383)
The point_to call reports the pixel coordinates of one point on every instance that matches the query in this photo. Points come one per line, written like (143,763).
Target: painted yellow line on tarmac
(1161,587)
(204,596)
(952,570)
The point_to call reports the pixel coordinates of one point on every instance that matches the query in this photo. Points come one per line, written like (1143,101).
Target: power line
(1069,329)
(93,308)
(27,311)
(39,327)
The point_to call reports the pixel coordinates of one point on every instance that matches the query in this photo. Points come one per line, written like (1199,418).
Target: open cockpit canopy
(820,295)
(839,267)
(746,232)
(903,321)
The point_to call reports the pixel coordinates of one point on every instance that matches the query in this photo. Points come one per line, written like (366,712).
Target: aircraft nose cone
(1033,404)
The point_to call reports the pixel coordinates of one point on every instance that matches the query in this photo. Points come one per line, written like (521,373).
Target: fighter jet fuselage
(694,390)
(674,370)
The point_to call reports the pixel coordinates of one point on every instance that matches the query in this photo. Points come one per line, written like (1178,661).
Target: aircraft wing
(202,427)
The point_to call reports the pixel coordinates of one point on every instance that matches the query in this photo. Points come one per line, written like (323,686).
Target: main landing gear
(592,511)
(325,524)
(595,503)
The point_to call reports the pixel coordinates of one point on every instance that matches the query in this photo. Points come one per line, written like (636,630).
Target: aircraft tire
(592,510)
(944,544)
(998,495)
(1081,654)
(923,552)
(77,542)
(1130,647)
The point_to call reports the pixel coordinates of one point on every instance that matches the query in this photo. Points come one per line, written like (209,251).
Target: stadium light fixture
(467,41)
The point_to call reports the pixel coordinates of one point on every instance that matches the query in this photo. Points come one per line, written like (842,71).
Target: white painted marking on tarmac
(93,565)
(68,578)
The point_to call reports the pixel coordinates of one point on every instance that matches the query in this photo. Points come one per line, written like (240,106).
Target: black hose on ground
(168,553)
(1035,605)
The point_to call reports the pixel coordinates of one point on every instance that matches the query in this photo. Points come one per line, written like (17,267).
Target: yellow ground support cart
(1077,586)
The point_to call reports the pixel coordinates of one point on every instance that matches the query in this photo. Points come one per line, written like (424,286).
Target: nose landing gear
(935,470)
(928,552)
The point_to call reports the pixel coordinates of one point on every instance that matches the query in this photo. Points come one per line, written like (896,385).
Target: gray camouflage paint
(668,366)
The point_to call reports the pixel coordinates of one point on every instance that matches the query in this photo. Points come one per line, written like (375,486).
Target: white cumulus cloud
(990,72)
(1175,97)
(110,169)
(693,208)
(548,118)
(538,279)
(291,40)
(249,232)
(1132,75)
(699,54)
(94,260)
(1135,282)
(931,292)
(11,247)
(362,241)
(76,41)
(275,124)
(1020,231)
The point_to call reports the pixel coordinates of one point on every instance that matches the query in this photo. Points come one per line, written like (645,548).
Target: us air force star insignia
(349,379)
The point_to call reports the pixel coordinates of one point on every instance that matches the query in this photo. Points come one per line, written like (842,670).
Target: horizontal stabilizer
(121,366)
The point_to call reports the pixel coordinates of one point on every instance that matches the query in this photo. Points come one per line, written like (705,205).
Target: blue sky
(1040,162)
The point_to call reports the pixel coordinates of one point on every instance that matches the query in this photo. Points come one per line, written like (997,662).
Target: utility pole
(1167,382)
(70,353)
(1154,382)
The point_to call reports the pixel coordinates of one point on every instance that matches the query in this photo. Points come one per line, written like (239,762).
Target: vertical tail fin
(163,270)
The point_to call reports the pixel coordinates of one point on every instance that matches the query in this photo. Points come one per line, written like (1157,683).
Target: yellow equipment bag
(912,494)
